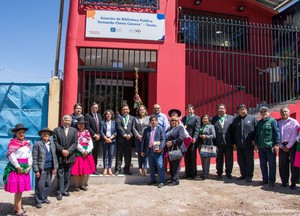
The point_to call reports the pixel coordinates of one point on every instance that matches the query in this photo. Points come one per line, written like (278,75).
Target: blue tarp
(25,103)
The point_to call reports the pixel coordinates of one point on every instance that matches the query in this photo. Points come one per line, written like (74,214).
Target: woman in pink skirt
(84,164)
(16,176)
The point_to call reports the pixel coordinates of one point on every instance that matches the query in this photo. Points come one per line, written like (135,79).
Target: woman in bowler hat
(84,163)
(44,165)
(16,175)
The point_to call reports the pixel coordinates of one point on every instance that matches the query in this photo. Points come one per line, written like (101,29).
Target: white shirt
(23,152)
(108,128)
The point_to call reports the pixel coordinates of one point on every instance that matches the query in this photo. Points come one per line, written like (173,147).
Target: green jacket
(267,133)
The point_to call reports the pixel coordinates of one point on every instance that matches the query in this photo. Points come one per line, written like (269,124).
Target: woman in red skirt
(16,176)
(84,164)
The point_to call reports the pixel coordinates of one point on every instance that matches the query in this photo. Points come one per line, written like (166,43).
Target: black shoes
(293,186)
(229,176)
(39,205)
(271,184)
(173,183)
(59,197)
(248,180)
(284,184)
(46,201)
(96,173)
(241,178)
(262,183)
(127,173)
(117,172)
(66,194)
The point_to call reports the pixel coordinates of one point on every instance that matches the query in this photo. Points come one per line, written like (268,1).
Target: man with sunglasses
(267,141)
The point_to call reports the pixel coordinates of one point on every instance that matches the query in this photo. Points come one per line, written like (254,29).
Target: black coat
(224,136)
(244,131)
(91,123)
(63,142)
(192,126)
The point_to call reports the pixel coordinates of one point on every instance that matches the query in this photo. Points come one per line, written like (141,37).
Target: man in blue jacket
(153,144)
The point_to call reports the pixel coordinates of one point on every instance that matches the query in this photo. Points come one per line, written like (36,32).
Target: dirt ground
(191,197)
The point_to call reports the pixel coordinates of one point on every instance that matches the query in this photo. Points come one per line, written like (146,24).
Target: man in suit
(223,127)
(243,128)
(191,123)
(65,139)
(153,144)
(124,140)
(93,125)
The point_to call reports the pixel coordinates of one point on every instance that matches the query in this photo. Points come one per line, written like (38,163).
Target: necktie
(152,138)
(97,123)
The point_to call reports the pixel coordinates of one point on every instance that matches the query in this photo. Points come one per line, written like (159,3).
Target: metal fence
(107,76)
(232,61)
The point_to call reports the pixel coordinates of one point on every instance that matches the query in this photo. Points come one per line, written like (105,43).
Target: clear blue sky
(28,35)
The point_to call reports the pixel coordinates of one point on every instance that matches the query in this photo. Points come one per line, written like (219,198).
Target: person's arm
(90,146)
(119,127)
(180,137)
(35,154)
(134,128)
(197,129)
(87,117)
(162,139)
(56,142)
(294,131)
(276,132)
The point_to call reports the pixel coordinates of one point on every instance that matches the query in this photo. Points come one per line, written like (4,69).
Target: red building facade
(94,68)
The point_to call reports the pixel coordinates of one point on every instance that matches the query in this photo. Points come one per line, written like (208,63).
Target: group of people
(74,148)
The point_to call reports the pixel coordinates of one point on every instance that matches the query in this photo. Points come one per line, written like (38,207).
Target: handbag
(175,154)
(208,151)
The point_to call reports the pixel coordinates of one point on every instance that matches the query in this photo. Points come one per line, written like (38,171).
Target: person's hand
(203,136)
(275,149)
(143,154)
(65,153)
(234,146)
(97,137)
(194,141)
(54,171)
(128,136)
(140,138)
(37,175)
(27,170)
(255,148)
(285,149)
(19,170)
(85,154)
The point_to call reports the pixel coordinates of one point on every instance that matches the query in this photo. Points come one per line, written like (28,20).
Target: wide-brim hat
(174,110)
(18,127)
(81,120)
(45,130)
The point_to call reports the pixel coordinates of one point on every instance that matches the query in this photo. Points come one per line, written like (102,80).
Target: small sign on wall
(125,25)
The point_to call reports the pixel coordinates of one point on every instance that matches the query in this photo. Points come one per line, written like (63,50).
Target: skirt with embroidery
(17,183)
(83,166)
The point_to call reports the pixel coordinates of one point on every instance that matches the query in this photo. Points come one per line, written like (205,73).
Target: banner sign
(125,25)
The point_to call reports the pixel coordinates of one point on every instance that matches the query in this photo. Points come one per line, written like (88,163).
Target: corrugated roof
(276,4)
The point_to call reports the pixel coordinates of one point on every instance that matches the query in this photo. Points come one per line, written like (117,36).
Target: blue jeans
(108,152)
(267,157)
(158,160)
(141,160)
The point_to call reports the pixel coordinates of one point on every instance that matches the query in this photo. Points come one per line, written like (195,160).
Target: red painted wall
(170,58)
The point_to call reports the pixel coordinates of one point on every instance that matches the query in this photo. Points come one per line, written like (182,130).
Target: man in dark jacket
(244,140)
(223,127)
(65,139)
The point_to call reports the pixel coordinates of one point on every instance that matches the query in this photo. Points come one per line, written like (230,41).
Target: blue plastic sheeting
(21,103)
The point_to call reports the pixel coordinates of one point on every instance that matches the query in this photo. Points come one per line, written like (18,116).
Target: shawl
(15,144)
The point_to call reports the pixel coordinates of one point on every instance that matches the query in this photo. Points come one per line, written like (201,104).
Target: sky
(28,37)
